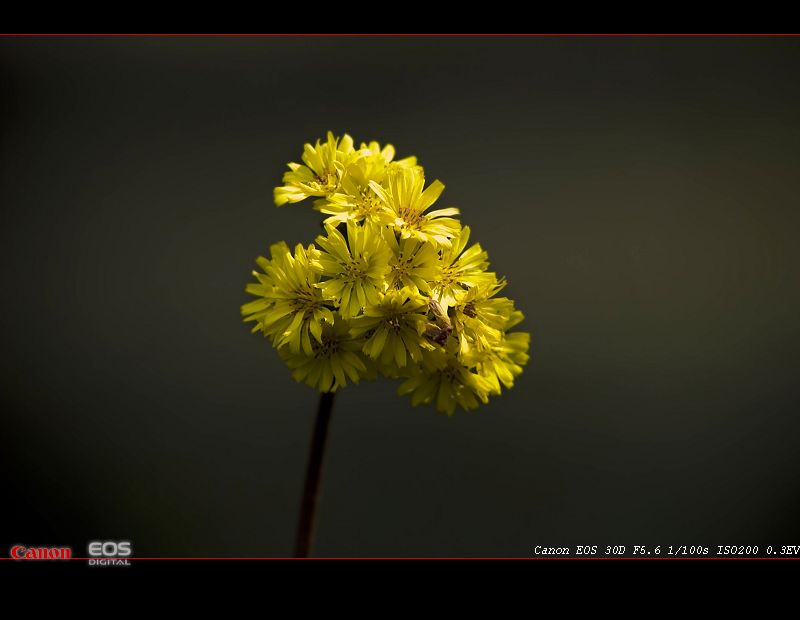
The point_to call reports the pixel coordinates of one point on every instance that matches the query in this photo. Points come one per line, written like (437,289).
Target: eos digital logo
(109,553)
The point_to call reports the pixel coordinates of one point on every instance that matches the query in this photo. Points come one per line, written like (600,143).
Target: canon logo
(21,552)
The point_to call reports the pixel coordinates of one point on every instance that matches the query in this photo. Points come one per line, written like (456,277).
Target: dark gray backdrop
(639,194)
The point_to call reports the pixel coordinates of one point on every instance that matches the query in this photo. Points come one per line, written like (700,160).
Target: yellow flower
(460,270)
(405,203)
(393,327)
(480,318)
(355,200)
(504,361)
(411,263)
(390,288)
(387,153)
(319,174)
(444,381)
(334,359)
(264,289)
(355,267)
(289,305)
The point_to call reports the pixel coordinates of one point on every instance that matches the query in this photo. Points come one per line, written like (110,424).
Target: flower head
(354,267)
(411,263)
(387,153)
(334,358)
(405,204)
(289,309)
(393,327)
(481,318)
(355,200)
(504,361)
(320,171)
(446,382)
(460,270)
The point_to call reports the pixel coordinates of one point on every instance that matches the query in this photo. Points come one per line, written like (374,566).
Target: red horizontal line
(354,34)
(407,558)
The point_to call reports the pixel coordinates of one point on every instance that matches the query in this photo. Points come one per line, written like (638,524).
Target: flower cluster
(392,287)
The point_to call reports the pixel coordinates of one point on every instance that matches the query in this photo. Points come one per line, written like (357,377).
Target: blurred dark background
(640,194)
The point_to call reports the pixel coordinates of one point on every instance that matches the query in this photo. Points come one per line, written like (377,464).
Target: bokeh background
(640,195)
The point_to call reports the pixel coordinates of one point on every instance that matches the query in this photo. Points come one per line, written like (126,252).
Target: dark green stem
(308,509)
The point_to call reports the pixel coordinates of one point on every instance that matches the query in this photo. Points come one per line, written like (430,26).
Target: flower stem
(308,509)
